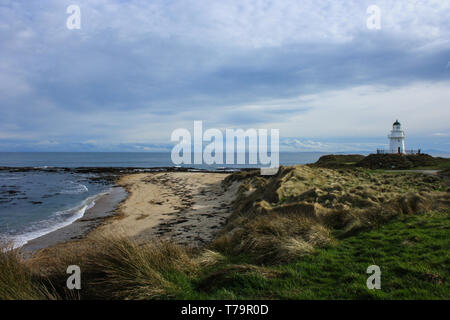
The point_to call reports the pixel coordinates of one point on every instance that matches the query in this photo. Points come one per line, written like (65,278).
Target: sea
(36,202)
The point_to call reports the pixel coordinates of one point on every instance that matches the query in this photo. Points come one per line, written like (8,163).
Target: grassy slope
(412,252)
(297,235)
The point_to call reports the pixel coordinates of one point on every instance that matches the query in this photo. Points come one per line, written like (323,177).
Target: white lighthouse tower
(397,139)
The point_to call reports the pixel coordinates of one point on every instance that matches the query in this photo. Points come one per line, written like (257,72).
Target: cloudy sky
(138,69)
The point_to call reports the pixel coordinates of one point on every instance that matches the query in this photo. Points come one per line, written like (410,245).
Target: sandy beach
(186,207)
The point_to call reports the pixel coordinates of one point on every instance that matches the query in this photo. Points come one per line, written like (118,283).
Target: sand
(186,207)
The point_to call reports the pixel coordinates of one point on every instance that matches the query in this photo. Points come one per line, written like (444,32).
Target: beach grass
(305,233)
(125,270)
(301,209)
(412,252)
(17,281)
(115,267)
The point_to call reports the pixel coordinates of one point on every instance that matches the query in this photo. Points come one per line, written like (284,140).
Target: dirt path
(430,172)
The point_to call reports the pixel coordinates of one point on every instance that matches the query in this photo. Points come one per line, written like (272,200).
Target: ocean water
(124,159)
(33,203)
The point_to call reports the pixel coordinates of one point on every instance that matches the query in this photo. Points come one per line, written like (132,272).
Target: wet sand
(104,207)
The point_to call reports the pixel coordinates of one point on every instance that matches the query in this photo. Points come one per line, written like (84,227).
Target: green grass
(443,164)
(412,252)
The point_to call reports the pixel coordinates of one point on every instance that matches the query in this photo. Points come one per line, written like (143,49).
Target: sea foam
(70,216)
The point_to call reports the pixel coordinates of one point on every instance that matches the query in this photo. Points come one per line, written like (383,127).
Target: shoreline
(104,207)
(188,207)
(123,170)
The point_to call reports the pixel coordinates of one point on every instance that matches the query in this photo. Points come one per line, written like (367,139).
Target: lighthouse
(397,139)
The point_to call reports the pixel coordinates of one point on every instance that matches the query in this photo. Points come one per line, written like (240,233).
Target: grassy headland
(384,161)
(308,232)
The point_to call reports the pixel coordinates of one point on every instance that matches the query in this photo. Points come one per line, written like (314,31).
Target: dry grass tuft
(209,258)
(17,282)
(274,237)
(118,268)
(130,271)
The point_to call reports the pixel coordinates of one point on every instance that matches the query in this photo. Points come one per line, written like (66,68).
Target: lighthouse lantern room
(397,139)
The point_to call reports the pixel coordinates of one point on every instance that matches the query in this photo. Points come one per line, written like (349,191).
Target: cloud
(139,69)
